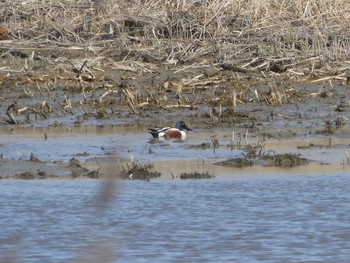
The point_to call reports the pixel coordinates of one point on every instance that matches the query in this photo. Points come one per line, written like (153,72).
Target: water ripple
(270,218)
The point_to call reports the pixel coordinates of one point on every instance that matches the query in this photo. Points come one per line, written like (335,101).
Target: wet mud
(278,160)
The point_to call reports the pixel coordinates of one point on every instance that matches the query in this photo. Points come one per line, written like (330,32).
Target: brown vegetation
(278,36)
(3,33)
(154,54)
(139,171)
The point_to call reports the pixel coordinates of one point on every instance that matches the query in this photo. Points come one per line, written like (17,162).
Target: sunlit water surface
(249,218)
(85,143)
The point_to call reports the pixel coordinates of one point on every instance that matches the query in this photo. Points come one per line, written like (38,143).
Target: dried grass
(232,28)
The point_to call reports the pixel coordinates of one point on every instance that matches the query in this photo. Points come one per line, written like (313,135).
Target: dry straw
(271,35)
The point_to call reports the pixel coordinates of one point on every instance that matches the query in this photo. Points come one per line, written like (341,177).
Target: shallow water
(251,218)
(86,142)
(101,146)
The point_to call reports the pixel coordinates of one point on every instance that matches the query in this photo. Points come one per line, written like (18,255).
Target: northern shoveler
(179,132)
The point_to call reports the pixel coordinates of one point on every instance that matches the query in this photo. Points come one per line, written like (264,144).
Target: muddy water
(107,146)
(251,218)
(61,144)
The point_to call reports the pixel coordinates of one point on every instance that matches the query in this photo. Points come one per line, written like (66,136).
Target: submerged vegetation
(278,160)
(196,175)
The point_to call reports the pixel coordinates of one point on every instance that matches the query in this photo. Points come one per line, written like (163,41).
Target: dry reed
(255,33)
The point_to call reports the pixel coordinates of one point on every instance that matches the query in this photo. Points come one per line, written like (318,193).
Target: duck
(177,132)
